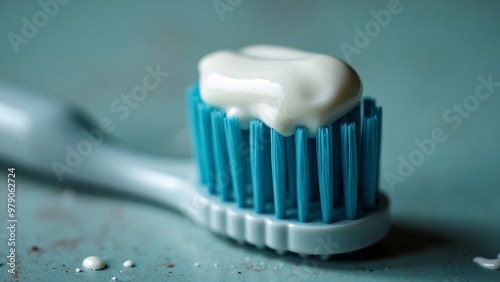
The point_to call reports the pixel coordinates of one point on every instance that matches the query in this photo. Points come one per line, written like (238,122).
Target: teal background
(427,59)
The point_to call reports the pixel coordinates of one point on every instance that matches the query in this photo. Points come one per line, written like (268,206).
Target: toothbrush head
(288,153)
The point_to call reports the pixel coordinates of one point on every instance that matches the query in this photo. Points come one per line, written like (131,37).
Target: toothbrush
(38,132)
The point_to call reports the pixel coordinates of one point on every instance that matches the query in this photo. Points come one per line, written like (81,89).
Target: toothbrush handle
(121,170)
(52,137)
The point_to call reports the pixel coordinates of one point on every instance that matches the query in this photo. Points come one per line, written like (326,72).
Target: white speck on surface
(121,271)
(114,278)
(78,270)
(216,264)
(324,257)
(493,264)
(247,258)
(128,263)
(94,263)
(196,264)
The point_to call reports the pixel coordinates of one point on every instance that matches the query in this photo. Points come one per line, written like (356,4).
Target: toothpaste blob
(285,88)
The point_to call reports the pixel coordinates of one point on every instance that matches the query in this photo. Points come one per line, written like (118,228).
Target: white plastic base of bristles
(312,238)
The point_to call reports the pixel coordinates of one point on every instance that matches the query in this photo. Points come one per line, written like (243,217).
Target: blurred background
(422,64)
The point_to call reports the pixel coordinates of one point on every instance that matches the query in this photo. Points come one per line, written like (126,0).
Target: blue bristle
(221,159)
(332,177)
(349,168)
(260,163)
(313,163)
(237,162)
(303,174)
(354,116)
(325,172)
(278,162)
(370,154)
(193,100)
(245,152)
(379,141)
(337,164)
(269,192)
(207,164)
(291,168)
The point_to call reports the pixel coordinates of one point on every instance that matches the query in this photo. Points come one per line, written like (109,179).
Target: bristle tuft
(303,174)
(208,165)
(370,153)
(260,163)
(349,168)
(222,170)
(331,178)
(291,168)
(278,162)
(325,172)
(237,162)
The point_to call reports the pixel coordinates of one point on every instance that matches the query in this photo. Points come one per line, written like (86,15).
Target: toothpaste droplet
(215,264)
(78,270)
(128,263)
(94,263)
(114,278)
(493,264)
(196,264)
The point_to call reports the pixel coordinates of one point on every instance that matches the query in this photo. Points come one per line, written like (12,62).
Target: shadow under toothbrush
(402,240)
(405,246)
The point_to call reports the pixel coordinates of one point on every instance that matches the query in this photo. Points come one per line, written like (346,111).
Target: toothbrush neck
(120,170)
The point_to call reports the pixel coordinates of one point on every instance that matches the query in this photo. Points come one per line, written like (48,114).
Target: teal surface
(427,63)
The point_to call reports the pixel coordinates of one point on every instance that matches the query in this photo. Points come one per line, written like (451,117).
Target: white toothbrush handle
(50,136)
(169,182)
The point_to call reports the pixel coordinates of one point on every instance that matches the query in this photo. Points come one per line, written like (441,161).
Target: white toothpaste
(493,264)
(285,88)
